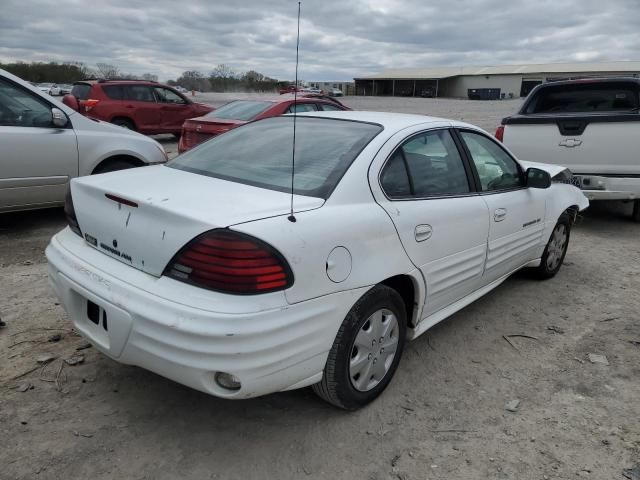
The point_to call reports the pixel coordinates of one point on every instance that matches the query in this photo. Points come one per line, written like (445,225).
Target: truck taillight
(500,133)
(70,213)
(230,262)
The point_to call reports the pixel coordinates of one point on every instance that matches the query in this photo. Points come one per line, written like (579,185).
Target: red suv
(146,107)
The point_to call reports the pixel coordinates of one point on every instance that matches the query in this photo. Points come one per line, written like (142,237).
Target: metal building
(504,81)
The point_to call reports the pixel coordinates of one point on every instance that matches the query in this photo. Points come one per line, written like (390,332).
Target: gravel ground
(444,415)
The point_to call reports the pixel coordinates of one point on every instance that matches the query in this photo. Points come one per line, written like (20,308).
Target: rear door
(426,188)
(587,127)
(516,213)
(174,109)
(36,158)
(141,105)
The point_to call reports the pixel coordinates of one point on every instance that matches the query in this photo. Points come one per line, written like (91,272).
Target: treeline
(68,72)
(224,79)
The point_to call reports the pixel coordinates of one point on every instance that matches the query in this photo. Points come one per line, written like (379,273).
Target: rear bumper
(597,187)
(269,350)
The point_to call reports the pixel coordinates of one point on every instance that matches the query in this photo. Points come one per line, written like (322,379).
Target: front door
(174,109)
(37,159)
(427,190)
(516,213)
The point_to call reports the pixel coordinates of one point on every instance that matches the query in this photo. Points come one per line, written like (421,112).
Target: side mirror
(537,178)
(58,118)
(71,101)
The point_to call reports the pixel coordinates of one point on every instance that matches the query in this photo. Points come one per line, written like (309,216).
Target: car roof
(388,120)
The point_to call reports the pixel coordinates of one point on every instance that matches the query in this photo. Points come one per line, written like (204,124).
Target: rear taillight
(70,213)
(500,133)
(231,262)
(88,104)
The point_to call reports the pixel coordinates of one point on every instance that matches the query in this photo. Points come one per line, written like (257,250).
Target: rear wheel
(124,123)
(556,248)
(366,351)
(636,211)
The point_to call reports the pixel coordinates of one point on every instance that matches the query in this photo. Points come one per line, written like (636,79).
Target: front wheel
(366,351)
(556,248)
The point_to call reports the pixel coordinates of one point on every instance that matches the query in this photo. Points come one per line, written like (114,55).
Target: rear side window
(585,98)
(259,153)
(138,93)
(114,92)
(302,107)
(426,165)
(327,107)
(81,91)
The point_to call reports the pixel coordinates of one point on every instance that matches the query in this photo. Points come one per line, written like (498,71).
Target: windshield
(240,110)
(259,153)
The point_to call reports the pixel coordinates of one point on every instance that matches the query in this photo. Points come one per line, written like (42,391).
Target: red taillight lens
(88,104)
(70,213)
(500,133)
(231,262)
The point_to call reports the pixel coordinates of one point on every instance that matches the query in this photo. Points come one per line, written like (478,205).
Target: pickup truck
(591,126)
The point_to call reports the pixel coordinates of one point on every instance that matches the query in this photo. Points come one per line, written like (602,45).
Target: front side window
(20,108)
(259,154)
(138,93)
(165,95)
(426,165)
(495,167)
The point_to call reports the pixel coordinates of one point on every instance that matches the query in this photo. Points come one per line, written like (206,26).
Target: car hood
(143,216)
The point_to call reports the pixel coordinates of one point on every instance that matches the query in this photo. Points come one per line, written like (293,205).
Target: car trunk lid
(143,216)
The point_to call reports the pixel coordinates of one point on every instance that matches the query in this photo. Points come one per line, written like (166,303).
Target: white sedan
(199,271)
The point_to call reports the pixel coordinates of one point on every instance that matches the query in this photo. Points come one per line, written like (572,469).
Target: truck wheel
(366,351)
(636,211)
(556,248)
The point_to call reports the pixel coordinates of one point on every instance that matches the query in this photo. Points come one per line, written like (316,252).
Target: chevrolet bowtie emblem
(570,142)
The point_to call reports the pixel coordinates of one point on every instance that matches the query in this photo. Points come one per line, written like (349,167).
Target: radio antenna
(291,217)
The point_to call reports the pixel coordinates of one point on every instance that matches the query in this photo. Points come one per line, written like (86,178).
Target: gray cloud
(339,39)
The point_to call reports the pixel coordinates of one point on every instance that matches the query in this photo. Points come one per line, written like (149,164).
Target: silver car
(44,144)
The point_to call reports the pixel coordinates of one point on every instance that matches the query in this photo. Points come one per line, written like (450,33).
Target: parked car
(591,126)
(45,143)
(65,89)
(335,92)
(143,106)
(289,89)
(224,280)
(49,88)
(239,112)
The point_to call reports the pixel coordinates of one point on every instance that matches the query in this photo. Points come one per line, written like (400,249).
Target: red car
(146,107)
(239,112)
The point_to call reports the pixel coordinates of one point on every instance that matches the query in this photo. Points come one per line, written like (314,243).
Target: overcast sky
(339,39)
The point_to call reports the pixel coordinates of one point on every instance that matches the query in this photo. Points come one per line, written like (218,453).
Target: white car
(200,272)
(45,143)
(49,88)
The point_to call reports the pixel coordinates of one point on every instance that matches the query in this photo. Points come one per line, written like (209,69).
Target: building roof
(435,73)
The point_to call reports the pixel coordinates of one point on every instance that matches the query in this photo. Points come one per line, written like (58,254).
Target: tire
(556,248)
(635,216)
(355,375)
(124,123)
(113,166)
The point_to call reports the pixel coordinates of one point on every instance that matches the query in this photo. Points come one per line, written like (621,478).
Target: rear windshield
(240,110)
(585,98)
(259,154)
(81,91)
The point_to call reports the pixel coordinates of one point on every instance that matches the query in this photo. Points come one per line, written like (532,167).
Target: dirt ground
(442,417)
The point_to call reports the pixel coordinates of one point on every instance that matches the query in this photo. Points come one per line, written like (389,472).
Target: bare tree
(107,71)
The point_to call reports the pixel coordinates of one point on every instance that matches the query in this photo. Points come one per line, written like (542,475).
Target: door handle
(423,232)
(499,214)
